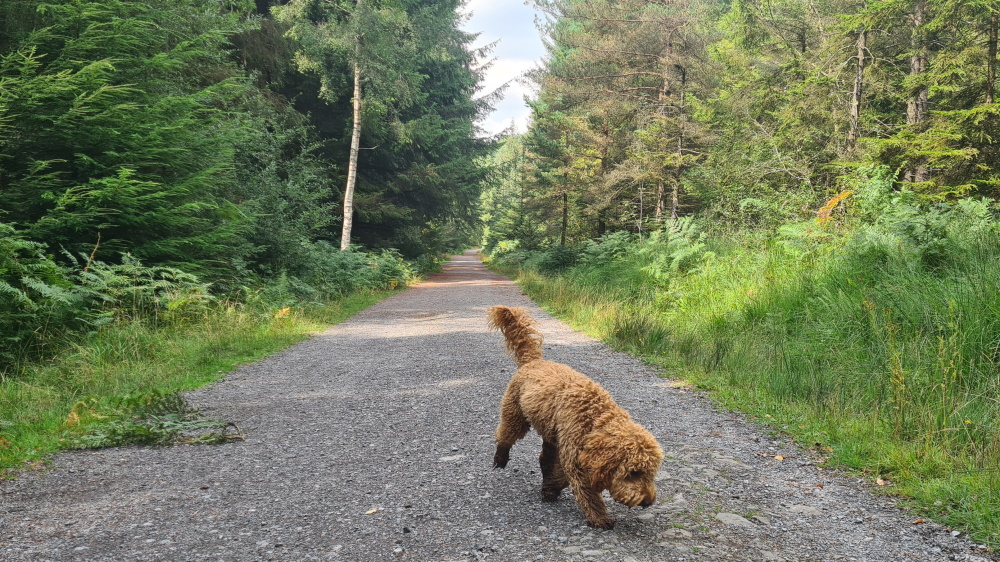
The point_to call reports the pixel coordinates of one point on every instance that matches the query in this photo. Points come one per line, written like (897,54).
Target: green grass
(856,344)
(57,404)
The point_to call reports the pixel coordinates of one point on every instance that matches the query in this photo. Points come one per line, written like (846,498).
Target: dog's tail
(524,342)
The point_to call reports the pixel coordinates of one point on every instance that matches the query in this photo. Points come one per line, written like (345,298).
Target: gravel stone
(733,520)
(805,510)
(384,424)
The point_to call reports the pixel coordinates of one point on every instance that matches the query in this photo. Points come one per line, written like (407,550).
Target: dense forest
(175,149)
(748,112)
(790,203)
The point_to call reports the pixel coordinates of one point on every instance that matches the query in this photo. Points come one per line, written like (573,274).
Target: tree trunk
(916,104)
(565,218)
(352,163)
(675,199)
(991,60)
(665,98)
(854,130)
(679,169)
(661,202)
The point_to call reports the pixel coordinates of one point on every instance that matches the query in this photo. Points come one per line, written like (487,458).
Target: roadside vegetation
(871,334)
(179,194)
(141,335)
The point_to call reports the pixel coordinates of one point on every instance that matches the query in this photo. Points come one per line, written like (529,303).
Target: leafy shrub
(674,251)
(929,232)
(37,300)
(45,302)
(502,248)
(329,273)
(388,270)
(557,258)
(333,272)
(426,264)
(131,291)
(873,187)
(607,248)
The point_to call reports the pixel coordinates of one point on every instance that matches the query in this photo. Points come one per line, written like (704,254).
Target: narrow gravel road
(373,441)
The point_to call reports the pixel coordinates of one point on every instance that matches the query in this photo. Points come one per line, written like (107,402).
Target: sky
(519,49)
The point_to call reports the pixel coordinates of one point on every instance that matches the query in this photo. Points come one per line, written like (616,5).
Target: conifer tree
(373,39)
(120,137)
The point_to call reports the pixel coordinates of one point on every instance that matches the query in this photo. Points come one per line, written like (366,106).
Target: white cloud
(518,50)
(506,71)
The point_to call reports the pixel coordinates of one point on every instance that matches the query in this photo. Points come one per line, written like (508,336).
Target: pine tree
(121,138)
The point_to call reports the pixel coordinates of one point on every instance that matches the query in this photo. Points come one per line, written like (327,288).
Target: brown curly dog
(589,443)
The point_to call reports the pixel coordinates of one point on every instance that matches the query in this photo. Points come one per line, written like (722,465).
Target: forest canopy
(749,113)
(213,136)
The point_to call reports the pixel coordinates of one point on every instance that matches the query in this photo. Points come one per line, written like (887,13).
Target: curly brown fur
(589,443)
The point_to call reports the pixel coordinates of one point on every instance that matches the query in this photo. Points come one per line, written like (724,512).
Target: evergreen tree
(120,135)
(373,39)
(417,163)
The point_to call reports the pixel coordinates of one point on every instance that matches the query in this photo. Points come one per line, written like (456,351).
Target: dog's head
(623,459)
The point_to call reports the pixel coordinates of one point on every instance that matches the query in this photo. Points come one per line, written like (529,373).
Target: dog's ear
(599,461)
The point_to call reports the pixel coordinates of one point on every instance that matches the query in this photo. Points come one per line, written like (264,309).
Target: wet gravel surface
(373,441)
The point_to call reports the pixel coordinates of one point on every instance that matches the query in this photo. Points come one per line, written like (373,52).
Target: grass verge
(121,384)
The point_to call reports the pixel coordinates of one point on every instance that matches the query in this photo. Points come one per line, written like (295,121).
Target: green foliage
(419,76)
(37,297)
(46,302)
(51,304)
(674,251)
(556,258)
(122,137)
(608,248)
(752,113)
(152,419)
(131,291)
(332,273)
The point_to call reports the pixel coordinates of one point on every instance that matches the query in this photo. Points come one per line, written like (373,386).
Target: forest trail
(373,441)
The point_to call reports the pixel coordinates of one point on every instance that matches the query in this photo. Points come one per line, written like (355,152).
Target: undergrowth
(146,419)
(874,337)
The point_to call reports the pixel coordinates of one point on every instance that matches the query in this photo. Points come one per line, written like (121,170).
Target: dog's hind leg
(553,478)
(513,426)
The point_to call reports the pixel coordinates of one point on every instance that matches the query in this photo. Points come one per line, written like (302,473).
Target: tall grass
(877,343)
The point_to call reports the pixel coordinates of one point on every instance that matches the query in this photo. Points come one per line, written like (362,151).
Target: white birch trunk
(352,164)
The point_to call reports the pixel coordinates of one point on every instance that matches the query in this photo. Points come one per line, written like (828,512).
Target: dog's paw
(500,460)
(606,524)
(550,495)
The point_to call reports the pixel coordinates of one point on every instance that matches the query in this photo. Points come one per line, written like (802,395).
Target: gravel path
(373,441)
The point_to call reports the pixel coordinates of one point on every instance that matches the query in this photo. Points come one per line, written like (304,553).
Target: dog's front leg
(593,507)
(513,426)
